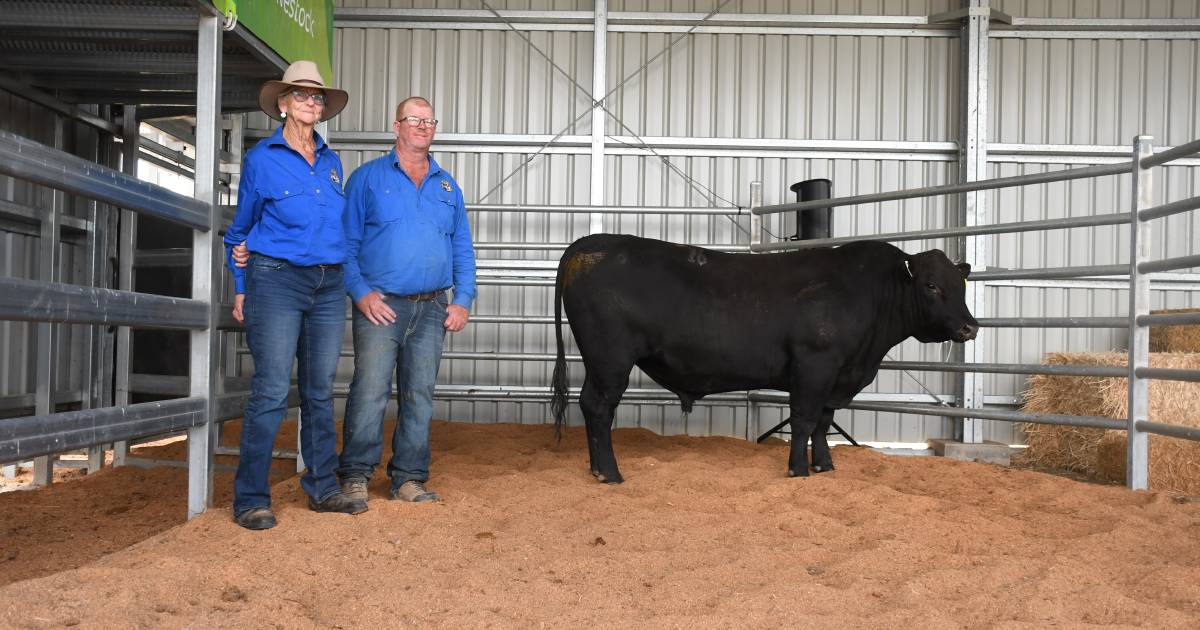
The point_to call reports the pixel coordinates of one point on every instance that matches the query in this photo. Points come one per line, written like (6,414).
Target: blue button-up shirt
(288,208)
(403,238)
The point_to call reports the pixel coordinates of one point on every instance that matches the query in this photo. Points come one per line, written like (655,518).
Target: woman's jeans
(411,349)
(292,313)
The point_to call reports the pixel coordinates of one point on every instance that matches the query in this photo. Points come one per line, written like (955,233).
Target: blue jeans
(410,348)
(292,313)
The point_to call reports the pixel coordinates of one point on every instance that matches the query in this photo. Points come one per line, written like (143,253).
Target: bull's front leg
(822,459)
(809,391)
(803,426)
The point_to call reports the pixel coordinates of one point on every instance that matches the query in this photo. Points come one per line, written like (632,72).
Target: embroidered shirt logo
(446,186)
(333,176)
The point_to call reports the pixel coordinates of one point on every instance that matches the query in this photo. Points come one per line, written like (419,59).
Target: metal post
(47,348)
(229,339)
(973,163)
(599,83)
(1137,461)
(756,200)
(126,245)
(203,373)
(97,360)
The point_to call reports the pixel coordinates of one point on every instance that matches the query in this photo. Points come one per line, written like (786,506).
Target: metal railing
(1138,272)
(47,433)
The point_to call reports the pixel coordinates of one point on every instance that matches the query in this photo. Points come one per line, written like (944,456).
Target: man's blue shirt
(287,208)
(402,238)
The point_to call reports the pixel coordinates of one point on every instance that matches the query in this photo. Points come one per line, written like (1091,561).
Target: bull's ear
(964,268)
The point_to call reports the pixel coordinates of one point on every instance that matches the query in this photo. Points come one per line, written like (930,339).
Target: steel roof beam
(69,15)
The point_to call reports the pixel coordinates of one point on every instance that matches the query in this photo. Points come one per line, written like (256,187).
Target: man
(408,242)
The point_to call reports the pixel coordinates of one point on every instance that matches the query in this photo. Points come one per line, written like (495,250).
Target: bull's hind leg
(599,399)
(822,459)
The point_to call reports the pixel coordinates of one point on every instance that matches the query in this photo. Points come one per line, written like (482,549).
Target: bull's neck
(897,320)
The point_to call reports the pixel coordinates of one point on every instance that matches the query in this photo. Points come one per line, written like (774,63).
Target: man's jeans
(291,313)
(410,348)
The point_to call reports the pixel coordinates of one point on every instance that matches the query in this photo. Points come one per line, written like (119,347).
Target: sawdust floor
(705,532)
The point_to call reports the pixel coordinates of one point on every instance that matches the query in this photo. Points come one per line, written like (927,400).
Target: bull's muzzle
(967,332)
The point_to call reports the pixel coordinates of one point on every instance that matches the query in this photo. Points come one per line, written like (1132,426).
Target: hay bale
(1066,448)
(1110,457)
(1175,338)
(1174,464)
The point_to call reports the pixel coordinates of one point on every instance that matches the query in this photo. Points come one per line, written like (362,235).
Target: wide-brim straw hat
(301,74)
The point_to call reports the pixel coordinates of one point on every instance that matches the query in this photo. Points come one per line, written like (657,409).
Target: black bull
(815,323)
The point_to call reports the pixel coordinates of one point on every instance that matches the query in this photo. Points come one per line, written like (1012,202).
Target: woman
(290,294)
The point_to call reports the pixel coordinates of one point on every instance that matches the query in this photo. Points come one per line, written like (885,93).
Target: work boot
(256,518)
(338,502)
(355,488)
(414,491)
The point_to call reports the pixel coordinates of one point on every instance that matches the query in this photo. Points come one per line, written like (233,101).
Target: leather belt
(424,297)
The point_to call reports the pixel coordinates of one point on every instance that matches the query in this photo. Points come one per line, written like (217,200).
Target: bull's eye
(933,288)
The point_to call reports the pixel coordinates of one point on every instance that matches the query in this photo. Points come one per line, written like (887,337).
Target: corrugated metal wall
(1093,93)
(737,88)
(20,258)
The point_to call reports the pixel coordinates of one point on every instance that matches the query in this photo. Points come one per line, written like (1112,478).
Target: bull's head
(939,288)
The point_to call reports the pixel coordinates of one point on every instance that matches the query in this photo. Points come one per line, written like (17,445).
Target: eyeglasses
(413,121)
(300,96)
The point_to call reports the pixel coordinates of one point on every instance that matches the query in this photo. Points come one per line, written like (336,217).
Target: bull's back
(622,267)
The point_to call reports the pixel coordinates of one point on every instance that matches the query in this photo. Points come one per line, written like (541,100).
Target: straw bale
(1175,338)
(1174,463)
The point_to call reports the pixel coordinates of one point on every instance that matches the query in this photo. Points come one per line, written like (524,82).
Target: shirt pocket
(290,205)
(389,205)
(442,212)
(334,201)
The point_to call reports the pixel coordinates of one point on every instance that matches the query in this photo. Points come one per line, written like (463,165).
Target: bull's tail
(558,382)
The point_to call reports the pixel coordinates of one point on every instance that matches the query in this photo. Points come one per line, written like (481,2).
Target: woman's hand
(241,255)
(238,301)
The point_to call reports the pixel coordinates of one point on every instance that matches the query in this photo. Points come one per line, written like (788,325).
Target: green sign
(296,29)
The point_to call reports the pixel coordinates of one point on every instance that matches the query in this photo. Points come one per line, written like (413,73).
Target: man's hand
(376,310)
(239,300)
(241,255)
(456,318)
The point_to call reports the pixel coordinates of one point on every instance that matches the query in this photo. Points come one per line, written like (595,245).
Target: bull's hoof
(613,478)
(821,469)
(797,473)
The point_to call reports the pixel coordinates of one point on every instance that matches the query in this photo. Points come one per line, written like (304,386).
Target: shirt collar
(276,139)
(434,167)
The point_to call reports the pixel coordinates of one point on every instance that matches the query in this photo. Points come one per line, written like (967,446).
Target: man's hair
(411,99)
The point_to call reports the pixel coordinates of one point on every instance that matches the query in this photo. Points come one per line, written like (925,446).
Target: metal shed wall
(22,206)
(1087,96)
(731,108)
